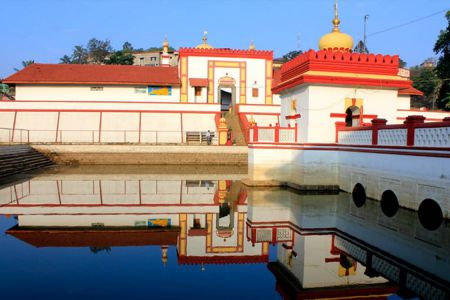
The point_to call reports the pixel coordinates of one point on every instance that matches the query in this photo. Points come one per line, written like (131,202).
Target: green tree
(425,79)
(80,55)
(120,58)
(65,60)
(361,48)
(25,64)
(127,47)
(402,63)
(291,55)
(98,50)
(442,47)
(5,92)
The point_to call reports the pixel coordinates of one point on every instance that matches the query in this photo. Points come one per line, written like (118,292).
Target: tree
(80,55)
(361,48)
(425,79)
(157,49)
(5,92)
(65,60)
(442,47)
(25,64)
(98,50)
(291,55)
(402,63)
(127,47)
(120,58)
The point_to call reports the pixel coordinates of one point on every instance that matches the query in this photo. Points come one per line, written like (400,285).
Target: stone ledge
(292,186)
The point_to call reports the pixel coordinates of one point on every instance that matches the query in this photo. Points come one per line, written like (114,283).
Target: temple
(72,103)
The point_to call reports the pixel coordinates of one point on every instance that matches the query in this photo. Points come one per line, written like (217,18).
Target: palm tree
(25,64)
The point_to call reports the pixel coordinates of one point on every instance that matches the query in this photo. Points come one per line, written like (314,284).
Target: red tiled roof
(410,91)
(203,82)
(95,74)
(94,238)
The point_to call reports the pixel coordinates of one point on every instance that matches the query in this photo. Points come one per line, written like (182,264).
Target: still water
(170,233)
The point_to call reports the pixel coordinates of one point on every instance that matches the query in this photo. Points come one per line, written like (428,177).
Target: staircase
(21,159)
(234,124)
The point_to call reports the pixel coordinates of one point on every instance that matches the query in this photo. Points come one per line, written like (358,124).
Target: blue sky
(45,30)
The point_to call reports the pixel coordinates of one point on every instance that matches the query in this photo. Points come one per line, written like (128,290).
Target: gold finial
(336,20)
(204,45)
(252,45)
(204,37)
(165,45)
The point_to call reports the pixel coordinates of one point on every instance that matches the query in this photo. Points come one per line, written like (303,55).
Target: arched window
(352,116)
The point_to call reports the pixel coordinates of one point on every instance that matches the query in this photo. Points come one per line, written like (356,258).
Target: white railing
(414,132)
(271,134)
(25,136)
(392,137)
(360,137)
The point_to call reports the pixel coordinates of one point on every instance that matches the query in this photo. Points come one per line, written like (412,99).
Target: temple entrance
(226,92)
(353,116)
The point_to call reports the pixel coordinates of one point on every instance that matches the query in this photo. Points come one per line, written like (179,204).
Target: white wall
(301,95)
(255,71)
(84,93)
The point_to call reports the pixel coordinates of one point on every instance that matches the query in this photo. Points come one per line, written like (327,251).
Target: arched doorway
(226,92)
(353,116)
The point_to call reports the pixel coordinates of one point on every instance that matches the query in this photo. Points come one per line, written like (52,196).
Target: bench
(197,136)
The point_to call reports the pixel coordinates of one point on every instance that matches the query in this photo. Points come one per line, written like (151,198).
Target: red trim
(126,102)
(14,126)
(198,82)
(424,111)
(223,259)
(334,80)
(197,232)
(293,117)
(57,128)
(112,205)
(250,104)
(428,119)
(112,110)
(88,83)
(343,115)
(225,52)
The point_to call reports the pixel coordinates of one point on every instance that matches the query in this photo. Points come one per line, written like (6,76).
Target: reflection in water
(325,245)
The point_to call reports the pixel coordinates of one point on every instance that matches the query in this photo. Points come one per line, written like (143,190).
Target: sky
(46,30)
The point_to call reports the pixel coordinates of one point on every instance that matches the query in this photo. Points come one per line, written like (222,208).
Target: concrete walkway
(145,154)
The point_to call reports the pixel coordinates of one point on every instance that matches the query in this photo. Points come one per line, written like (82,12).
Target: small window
(140,90)
(153,58)
(96,88)
(255,92)
(198,91)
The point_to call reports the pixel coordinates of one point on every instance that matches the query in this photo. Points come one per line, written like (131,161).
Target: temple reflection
(325,246)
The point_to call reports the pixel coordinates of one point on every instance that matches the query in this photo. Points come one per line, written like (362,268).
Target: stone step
(234,124)
(20,159)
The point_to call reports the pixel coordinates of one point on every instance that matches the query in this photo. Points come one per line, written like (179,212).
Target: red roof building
(95,74)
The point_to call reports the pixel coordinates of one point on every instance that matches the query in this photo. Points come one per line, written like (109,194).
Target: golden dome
(336,40)
(204,45)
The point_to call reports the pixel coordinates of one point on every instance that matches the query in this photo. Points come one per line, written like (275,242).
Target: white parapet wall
(103,122)
(412,174)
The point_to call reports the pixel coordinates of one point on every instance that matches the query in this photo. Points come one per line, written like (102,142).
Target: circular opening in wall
(430,214)
(389,203)
(359,195)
